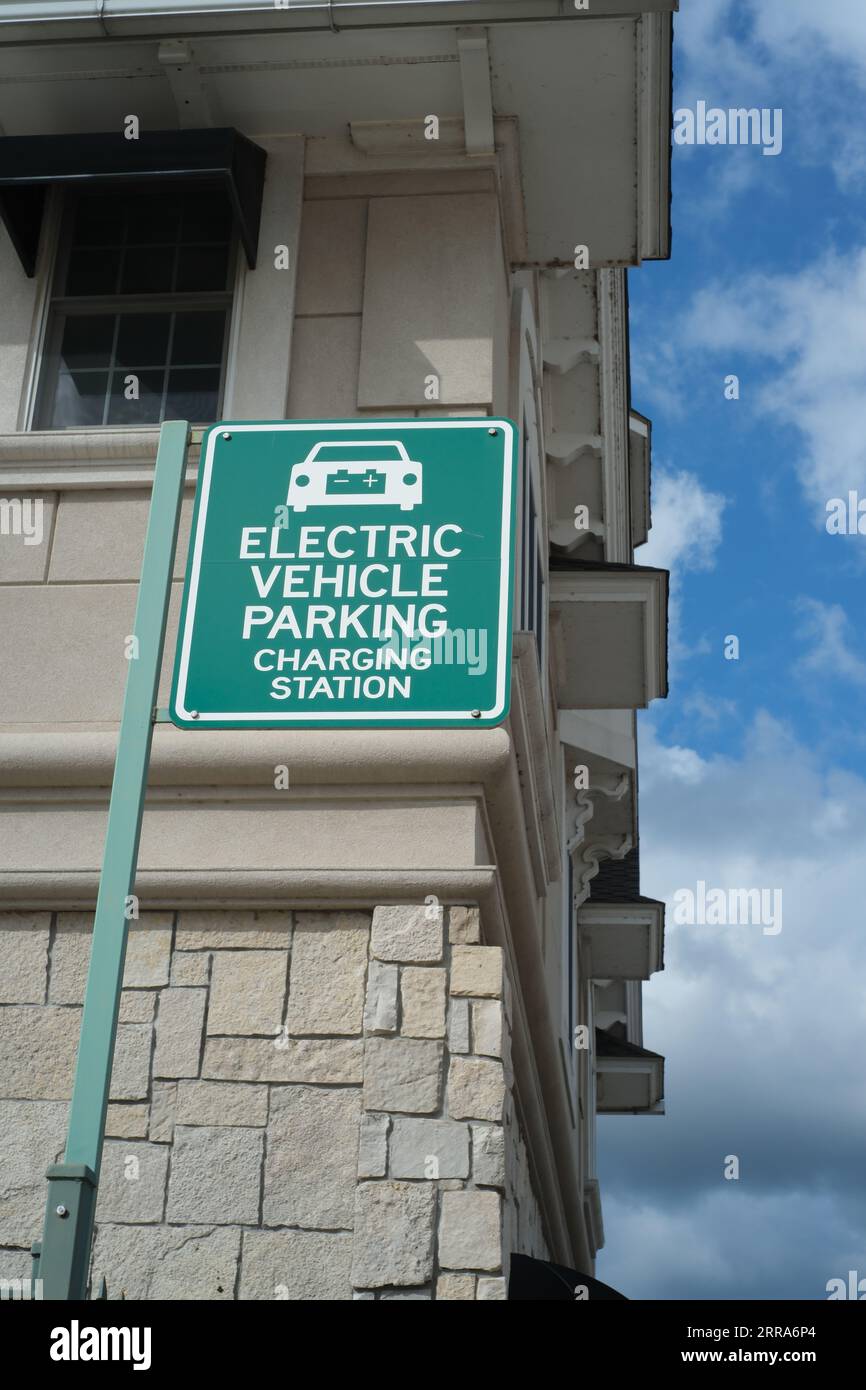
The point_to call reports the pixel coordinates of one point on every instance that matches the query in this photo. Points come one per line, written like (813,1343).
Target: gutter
(28,21)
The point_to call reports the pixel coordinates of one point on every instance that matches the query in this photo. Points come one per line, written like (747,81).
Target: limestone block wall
(304,1105)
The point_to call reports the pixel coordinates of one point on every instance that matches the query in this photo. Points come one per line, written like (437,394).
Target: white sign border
(203,717)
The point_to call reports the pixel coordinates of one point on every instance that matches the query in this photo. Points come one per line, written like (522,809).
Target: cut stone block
(458,1025)
(215,1176)
(132,1183)
(454,1287)
(316,1061)
(297,1265)
(488,1155)
(137,1006)
(37,1051)
(380,1009)
(373,1146)
(130,1075)
(163,1108)
(464,926)
(407,933)
(402,1074)
(221,1103)
(24,954)
(190,968)
(422,993)
(233,931)
(476,970)
(488,1027)
(393,1234)
(248,989)
(476,1089)
(179,1025)
(127,1122)
(329,962)
(429,1149)
(469,1231)
(167,1263)
(312,1160)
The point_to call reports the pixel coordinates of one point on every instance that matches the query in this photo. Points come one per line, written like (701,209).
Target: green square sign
(355,573)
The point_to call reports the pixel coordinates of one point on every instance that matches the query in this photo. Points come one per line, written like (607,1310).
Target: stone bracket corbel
(590,857)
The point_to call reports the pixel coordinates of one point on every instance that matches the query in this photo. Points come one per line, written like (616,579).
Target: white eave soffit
(395,62)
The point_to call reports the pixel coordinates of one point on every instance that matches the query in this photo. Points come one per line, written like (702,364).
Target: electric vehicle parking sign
(350,573)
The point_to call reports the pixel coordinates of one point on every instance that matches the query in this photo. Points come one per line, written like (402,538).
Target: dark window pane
(92,272)
(98,220)
(152,219)
(79,399)
(147,270)
(206,217)
(193,393)
(142,340)
(202,268)
(87,340)
(160,241)
(198,337)
(136,398)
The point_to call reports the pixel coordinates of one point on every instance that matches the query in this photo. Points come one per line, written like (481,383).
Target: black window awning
(222,158)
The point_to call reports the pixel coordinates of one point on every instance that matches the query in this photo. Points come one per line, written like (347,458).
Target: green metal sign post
(349,573)
(72,1185)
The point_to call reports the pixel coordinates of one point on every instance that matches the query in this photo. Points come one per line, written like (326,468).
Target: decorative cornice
(614,789)
(590,856)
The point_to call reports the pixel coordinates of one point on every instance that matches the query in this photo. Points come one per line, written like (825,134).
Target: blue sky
(753,772)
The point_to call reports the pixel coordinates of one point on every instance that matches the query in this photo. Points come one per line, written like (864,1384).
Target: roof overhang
(625,940)
(594,134)
(609,625)
(629,1079)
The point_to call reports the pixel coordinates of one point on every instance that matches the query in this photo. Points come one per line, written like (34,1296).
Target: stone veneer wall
(304,1105)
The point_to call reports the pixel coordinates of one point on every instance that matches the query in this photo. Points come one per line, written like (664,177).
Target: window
(139,309)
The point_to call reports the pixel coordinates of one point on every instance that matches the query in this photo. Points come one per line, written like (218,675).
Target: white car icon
(355,473)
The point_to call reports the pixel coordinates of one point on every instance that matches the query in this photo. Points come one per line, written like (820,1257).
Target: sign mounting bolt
(226,434)
(476,713)
(193,714)
(62,1211)
(491,431)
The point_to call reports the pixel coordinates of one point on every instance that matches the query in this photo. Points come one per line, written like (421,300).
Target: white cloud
(790,30)
(709,710)
(826,628)
(686,533)
(686,522)
(812,327)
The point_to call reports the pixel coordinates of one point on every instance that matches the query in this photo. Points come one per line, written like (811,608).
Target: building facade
(380,982)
